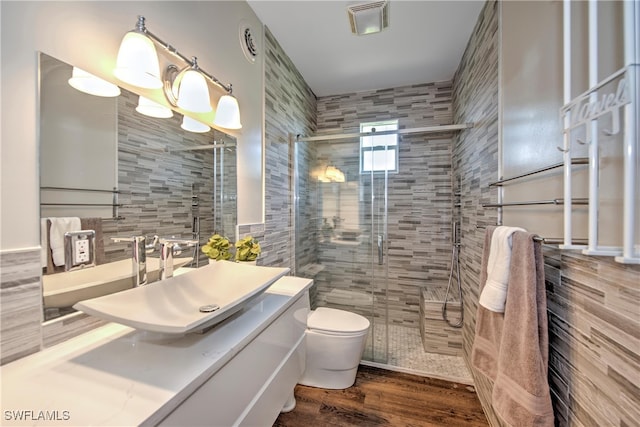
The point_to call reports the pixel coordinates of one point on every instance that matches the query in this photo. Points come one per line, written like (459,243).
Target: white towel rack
(583,111)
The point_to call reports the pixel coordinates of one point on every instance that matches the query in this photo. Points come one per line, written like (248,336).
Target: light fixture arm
(140,27)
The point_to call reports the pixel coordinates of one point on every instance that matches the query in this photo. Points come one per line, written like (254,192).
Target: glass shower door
(341,238)
(375,201)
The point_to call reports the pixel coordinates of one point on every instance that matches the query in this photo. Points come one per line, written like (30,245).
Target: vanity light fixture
(228,112)
(88,83)
(137,62)
(186,88)
(193,125)
(153,109)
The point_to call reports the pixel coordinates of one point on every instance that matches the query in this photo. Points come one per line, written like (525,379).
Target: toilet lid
(332,320)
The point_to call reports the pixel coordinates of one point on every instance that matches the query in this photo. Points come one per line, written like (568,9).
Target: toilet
(335,342)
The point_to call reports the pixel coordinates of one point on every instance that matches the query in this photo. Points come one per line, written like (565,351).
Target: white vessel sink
(66,289)
(172,306)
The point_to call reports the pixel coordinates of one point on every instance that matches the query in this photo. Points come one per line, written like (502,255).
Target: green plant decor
(247,249)
(217,248)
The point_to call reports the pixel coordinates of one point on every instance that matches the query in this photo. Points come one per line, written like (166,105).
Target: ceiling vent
(368,18)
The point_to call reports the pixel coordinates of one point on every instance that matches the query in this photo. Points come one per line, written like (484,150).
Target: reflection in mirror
(123,174)
(341,214)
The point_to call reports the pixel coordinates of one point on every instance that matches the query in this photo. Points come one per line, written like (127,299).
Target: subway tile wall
(594,339)
(20,304)
(290,110)
(475,164)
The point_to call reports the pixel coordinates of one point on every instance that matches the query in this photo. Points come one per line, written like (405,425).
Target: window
(379,153)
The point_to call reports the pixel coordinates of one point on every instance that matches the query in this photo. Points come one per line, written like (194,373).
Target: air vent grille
(248,43)
(368,18)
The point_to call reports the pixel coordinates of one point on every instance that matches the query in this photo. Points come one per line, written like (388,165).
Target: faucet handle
(151,247)
(178,241)
(174,244)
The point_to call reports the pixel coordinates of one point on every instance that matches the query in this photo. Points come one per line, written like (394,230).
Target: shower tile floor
(407,354)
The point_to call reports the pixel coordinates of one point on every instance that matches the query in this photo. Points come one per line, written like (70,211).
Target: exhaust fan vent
(368,18)
(248,43)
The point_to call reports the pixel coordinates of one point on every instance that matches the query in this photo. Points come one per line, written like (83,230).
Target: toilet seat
(336,322)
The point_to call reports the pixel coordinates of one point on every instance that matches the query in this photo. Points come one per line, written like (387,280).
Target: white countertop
(115,375)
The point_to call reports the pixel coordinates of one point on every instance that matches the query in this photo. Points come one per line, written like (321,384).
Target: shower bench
(438,336)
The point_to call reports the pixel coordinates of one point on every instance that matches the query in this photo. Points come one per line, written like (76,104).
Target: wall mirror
(124,174)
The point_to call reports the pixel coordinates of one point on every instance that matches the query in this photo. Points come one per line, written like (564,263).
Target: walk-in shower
(375,237)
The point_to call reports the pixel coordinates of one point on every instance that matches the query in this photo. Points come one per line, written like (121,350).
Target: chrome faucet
(169,246)
(138,257)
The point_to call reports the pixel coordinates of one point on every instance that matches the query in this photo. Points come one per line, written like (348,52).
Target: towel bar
(577,201)
(574,161)
(81,204)
(546,240)
(80,189)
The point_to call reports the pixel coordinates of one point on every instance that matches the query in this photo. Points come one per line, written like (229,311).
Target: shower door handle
(380,249)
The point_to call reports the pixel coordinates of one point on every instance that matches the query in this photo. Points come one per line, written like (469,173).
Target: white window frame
(375,143)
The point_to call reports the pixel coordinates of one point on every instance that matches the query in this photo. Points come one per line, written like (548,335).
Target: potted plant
(217,248)
(247,249)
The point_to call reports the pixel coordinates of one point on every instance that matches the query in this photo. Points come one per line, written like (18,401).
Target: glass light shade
(153,109)
(137,62)
(228,113)
(193,125)
(193,92)
(88,83)
(333,174)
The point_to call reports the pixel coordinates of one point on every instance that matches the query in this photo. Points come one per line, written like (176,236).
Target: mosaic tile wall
(594,321)
(20,304)
(290,109)
(419,201)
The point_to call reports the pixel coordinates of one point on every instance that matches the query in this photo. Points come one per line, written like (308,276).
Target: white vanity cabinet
(253,386)
(242,372)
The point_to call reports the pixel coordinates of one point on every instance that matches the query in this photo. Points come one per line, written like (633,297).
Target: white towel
(59,226)
(44,242)
(494,293)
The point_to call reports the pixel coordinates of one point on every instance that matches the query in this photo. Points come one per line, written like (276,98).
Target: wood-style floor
(386,398)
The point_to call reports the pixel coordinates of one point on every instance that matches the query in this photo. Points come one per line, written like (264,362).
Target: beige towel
(511,349)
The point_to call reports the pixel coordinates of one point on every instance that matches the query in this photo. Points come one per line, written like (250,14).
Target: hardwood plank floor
(386,398)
